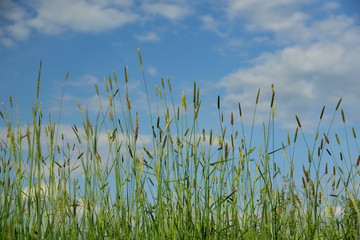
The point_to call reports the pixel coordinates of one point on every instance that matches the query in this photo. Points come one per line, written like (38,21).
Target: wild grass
(186,184)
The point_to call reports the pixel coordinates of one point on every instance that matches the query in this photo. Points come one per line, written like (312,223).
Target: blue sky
(309,50)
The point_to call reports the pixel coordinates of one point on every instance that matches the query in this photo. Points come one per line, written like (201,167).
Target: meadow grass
(185,184)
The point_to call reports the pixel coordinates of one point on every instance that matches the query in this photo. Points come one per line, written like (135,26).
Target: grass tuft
(178,185)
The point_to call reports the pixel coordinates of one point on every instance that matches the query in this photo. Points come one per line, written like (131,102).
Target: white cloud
(65,130)
(167,10)
(153,71)
(267,15)
(319,64)
(7,42)
(57,16)
(11,10)
(211,24)
(85,80)
(150,37)
(331,6)
(19,31)
(54,17)
(282,17)
(305,78)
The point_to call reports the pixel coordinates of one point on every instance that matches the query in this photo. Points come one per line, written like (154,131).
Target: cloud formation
(319,67)
(150,37)
(167,10)
(55,17)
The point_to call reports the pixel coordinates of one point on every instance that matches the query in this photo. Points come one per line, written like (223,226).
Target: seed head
(326,169)
(128,101)
(337,106)
(298,121)
(239,109)
(296,132)
(353,130)
(343,115)
(272,96)
(326,139)
(322,112)
(257,97)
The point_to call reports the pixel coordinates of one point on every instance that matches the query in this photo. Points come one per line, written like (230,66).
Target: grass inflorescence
(186,183)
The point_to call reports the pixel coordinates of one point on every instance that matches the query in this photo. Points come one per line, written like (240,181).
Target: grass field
(186,184)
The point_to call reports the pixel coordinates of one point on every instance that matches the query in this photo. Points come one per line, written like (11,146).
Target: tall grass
(186,184)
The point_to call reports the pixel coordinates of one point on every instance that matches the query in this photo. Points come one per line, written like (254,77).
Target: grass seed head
(107,89)
(115,78)
(97,90)
(142,68)
(226,151)
(343,115)
(111,86)
(337,139)
(79,107)
(322,112)
(322,144)
(298,121)
(338,183)
(353,130)
(326,139)
(273,112)
(328,151)
(128,101)
(257,96)
(126,75)
(303,180)
(162,83)
(240,110)
(326,168)
(121,128)
(272,96)
(194,95)
(337,106)
(168,80)
(137,127)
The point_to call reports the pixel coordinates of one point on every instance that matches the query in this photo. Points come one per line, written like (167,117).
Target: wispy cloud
(167,10)
(150,37)
(317,68)
(277,15)
(85,80)
(54,17)
(211,24)
(152,70)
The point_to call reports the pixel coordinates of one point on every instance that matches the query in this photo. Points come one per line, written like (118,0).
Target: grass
(186,184)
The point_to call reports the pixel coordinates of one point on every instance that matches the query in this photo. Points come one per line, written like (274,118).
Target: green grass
(184,185)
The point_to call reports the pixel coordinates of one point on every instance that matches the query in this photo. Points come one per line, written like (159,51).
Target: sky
(309,50)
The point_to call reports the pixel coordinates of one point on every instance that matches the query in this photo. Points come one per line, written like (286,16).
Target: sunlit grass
(186,184)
